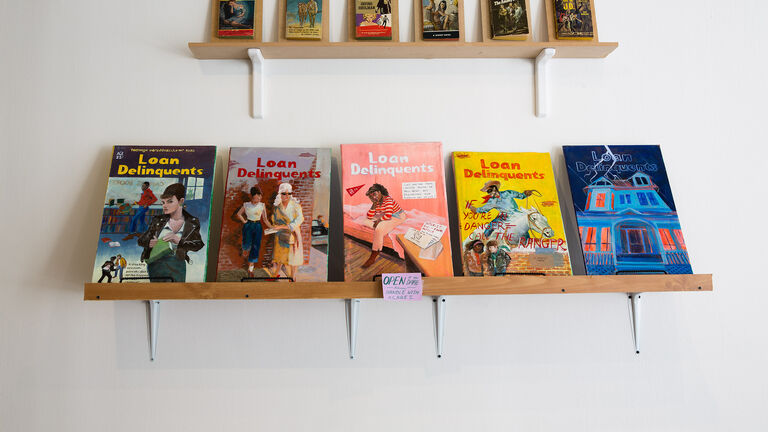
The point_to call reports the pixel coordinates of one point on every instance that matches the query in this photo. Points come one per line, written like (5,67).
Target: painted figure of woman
(287,217)
(252,214)
(179,232)
(384,215)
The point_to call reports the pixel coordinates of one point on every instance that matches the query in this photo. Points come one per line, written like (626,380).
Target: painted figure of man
(503,201)
(137,221)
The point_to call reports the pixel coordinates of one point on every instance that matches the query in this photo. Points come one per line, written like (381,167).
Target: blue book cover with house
(625,211)
(156,215)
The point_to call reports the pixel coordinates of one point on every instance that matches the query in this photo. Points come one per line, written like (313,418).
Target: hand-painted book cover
(304,20)
(373,19)
(509,19)
(156,216)
(440,19)
(275,218)
(574,19)
(624,208)
(509,214)
(236,18)
(395,212)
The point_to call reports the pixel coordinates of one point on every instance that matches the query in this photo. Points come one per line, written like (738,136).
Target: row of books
(440,19)
(275,213)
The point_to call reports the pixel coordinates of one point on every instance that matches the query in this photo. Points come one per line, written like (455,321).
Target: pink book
(395,211)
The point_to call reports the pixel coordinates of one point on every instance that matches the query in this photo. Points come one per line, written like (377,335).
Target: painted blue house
(626,227)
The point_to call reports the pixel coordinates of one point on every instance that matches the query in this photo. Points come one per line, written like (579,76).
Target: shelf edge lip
(433,287)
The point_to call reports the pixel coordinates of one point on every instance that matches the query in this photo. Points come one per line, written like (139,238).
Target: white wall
(79,76)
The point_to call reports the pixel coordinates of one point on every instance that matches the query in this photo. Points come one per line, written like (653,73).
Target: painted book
(509,19)
(440,19)
(574,19)
(274,225)
(304,19)
(509,215)
(236,18)
(395,212)
(156,216)
(625,211)
(373,19)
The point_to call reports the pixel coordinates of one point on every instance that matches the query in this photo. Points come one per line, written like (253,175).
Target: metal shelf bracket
(353,307)
(153,309)
(634,317)
(257,83)
(540,81)
(439,323)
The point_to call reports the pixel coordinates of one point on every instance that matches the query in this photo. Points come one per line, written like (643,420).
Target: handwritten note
(402,286)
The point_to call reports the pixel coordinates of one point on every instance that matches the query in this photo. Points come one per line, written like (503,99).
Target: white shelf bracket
(153,309)
(634,316)
(257,83)
(353,307)
(439,323)
(540,72)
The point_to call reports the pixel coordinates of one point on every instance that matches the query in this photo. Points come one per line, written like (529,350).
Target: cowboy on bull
(503,201)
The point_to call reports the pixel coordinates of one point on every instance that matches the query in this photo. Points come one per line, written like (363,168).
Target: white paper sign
(434,229)
(419,190)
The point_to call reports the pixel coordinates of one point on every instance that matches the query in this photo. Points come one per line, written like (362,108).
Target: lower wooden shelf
(416,50)
(433,286)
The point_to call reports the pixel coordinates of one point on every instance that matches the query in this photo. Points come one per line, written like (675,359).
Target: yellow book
(509,214)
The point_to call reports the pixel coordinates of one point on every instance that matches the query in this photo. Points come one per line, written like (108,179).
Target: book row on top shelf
(156,218)
(378,20)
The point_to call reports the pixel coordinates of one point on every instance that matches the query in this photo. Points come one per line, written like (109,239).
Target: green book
(161,249)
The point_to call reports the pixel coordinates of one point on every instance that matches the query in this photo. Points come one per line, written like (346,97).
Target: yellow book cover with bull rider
(509,213)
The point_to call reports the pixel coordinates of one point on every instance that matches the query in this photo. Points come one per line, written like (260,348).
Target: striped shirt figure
(387,207)
(384,216)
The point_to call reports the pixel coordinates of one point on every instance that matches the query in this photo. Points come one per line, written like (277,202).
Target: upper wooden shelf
(433,286)
(238,49)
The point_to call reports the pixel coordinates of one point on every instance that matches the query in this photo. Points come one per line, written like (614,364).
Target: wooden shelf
(433,286)
(404,50)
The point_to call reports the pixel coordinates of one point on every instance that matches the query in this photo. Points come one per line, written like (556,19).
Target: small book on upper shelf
(373,19)
(304,20)
(440,19)
(571,20)
(234,19)
(506,20)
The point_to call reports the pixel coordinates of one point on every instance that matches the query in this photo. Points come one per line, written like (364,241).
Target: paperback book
(509,214)
(236,18)
(395,212)
(304,19)
(156,215)
(574,19)
(440,19)
(275,218)
(509,19)
(373,19)
(625,211)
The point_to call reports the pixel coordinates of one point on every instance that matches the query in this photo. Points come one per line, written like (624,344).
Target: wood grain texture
(416,50)
(434,286)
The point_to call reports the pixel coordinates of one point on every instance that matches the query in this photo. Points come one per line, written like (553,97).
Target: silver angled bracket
(153,308)
(634,316)
(353,306)
(257,85)
(439,323)
(540,72)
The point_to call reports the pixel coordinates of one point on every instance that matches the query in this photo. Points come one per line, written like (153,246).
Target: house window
(589,243)
(643,200)
(600,200)
(679,237)
(605,239)
(621,199)
(194,186)
(639,180)
(635,240)
(652,199)
(629,198)
(666,239)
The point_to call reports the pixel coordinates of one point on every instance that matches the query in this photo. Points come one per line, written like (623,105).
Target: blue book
(625,211)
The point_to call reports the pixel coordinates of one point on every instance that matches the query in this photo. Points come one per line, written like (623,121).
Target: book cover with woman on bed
(395,211)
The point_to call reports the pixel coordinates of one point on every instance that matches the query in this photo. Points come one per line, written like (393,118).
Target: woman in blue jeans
(252,214)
